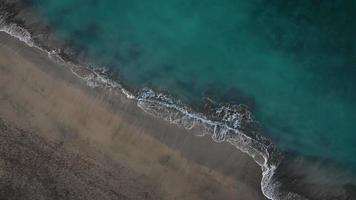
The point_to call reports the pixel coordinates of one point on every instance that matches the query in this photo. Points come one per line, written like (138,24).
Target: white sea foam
(227,128)
(16,31)
(165,108)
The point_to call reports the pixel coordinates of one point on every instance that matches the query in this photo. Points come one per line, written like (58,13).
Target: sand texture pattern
(60,139)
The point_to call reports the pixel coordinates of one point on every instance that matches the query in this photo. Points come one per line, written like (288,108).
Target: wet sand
(60,139)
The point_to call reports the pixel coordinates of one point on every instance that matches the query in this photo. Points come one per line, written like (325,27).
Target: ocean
(281,72)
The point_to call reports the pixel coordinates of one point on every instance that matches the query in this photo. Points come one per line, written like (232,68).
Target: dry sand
(60,139)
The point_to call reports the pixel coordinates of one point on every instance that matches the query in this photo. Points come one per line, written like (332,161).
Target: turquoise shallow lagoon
(292,62)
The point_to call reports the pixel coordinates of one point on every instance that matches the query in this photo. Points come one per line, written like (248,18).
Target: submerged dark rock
(314,179)
(230,95)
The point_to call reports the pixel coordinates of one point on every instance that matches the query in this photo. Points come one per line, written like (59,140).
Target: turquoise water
(292,62)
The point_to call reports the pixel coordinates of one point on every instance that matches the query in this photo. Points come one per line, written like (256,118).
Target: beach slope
(61,139)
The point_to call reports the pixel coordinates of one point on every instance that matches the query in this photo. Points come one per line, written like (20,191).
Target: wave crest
(16,31)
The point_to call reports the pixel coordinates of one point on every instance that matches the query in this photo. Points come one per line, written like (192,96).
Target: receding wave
(223,123)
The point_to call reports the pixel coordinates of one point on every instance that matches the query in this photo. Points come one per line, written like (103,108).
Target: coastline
(156,104)
(200,154)
(96,84)
(222,125)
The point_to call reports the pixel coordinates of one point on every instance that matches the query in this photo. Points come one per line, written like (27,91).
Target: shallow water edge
(224,124)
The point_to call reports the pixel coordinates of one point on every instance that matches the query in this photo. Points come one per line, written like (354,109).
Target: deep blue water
(292,62)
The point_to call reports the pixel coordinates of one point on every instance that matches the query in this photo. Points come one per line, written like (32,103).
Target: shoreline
(98,85)
(188,141)
(154,103)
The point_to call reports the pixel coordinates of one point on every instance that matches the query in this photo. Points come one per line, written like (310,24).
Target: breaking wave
(16,31)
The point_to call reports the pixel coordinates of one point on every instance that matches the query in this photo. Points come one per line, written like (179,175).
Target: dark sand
(60,139)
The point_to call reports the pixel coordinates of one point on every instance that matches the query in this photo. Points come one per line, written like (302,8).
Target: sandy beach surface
(60,139)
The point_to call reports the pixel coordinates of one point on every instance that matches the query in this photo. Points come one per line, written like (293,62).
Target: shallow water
(292,63)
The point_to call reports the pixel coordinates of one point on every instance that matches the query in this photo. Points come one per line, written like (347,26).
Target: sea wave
(223,124)
(16,31)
